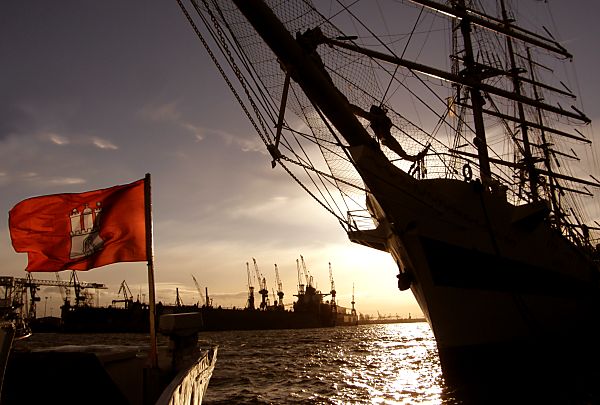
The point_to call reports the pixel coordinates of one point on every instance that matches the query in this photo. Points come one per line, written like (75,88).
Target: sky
(95,94)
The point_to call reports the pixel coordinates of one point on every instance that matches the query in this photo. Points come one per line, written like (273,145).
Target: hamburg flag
(81,231)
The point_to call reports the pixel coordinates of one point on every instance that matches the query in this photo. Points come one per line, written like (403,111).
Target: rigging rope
(220,68)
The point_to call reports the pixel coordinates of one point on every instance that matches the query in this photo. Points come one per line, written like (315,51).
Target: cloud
(66,181)
(260,208)
(163,113)
(169,113)
(29,175)
(58,139)
(246,144)
(37,180)
(63,140)
(103,143)
(198,132)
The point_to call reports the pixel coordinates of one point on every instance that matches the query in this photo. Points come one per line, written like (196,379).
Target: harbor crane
(300,283)
(250,304)
(262,283)
(309,278)
(178,301)
(16,290)
(279,287)
(209,301)
(332,292)
(13,304)
(82,297)
(202,299)
(64,291)
(33,289)
(353,310)
(125,292)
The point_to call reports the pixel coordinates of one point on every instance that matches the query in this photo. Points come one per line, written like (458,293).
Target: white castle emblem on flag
(85,231)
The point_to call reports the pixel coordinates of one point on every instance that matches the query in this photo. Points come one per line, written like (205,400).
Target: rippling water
(381,364)
(367,364)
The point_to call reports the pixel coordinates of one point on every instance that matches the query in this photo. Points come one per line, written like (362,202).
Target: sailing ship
(474,196)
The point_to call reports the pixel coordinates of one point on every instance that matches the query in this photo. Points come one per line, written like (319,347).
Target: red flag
(81,231)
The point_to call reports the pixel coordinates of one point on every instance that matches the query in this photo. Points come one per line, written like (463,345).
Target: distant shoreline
(394,320)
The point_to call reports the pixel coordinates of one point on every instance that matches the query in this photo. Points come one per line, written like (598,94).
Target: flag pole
(153,355)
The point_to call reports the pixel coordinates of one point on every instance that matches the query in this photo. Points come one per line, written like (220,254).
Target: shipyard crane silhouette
(332,292)
(125,292)
(16,290)
(64,291)
(202,299)
(178,300)
(309,295)
(250,304)
(81,298)
(353,310)
(79,287)
(309,278)
(300,283)
(279,287)
(33,289)
(262,283)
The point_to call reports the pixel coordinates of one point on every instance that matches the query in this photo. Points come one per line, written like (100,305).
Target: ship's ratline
(478,203)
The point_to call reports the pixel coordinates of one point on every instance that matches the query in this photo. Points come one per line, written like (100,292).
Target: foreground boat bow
(115,374)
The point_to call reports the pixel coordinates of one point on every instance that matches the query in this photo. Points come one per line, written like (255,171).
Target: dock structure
(19,294)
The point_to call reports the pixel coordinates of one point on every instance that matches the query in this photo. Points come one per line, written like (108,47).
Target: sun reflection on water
(396,366)
(366,364)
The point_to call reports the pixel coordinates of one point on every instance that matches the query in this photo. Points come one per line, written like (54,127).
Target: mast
(515,71)
(477,101)
(489,87)
(494,24)
(545,149)
(316,83)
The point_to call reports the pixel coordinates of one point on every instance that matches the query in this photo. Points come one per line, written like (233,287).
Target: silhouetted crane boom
(306,273)
(333,292)
(250,304)
(124,292)
(300,284)
(279,287)
(124,289)
(262,283)
(202,299)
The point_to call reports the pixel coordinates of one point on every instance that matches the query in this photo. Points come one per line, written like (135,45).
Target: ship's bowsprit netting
(316,156)
(356,76)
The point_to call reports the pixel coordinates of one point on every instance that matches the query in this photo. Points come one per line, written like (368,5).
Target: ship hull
(489,277)
(219,319)
(136,320)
